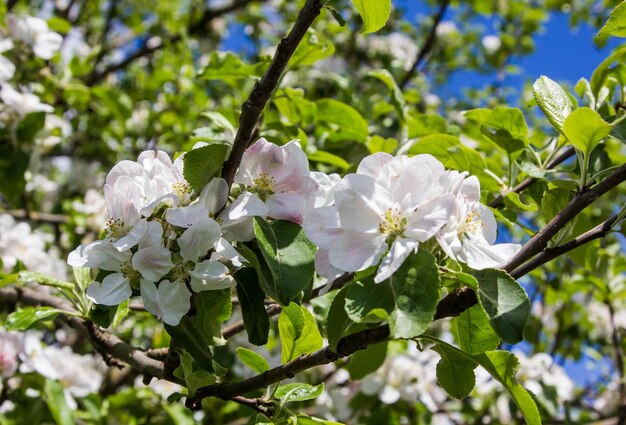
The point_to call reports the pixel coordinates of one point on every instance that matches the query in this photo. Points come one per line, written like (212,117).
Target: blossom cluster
(24,353)
(164,241)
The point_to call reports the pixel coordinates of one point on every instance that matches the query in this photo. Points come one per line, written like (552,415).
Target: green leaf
(504,126)
(120,313)
(42,279)
(195,377)
(455,372)
(13,165)
(55,399)
(26,318)
(585,129)
(291,103)
(503,366)
(228,67)
(505,302)
(421,125)
(313,47)
(368,302)
(329,158)
(342,121)
(553,101)
(189,336)
(212,309)
(298,332)
(288,254)
(397,98)
(374,13)
(616,25)
(103,315)
(377,144)
(415,288)
(338,321)
(336,15)
(202,164)
(309,420)
(253,360)
(451,152)
(252,301)
(475,334)
(367,361)
(298,392)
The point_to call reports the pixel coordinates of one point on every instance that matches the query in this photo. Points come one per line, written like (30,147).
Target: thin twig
(255,103)
(529,181)
(428,44)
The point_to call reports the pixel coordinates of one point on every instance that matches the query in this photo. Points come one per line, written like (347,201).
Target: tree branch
(529,181)
(145,49)
(581,201)
(600,231)
(428,44)
(255,103)
(347,345)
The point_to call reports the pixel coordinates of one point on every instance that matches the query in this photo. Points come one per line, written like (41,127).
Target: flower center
(393,223)
(264,185)
(126,269)
(180,274)
(182,190)
(116,228)
(472,224)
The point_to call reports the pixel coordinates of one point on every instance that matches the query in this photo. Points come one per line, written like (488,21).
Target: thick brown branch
(428,44)
(529,181)
(347,345)
(600,231)
(581,201)
(253,106)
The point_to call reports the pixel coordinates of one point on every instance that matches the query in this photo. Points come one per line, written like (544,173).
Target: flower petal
(113,290)
(210,275)
(361,203)
(401,248)
(322,226)
(198,239)
(354,251)
(429,218)
(153,263)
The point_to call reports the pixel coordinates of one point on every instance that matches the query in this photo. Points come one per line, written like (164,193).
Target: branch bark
(255,103)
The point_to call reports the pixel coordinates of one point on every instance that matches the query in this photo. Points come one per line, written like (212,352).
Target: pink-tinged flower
(391,205)
(279,176)
(470,232)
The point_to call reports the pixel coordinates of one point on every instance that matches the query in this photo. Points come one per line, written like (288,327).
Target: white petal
(214,195)
(152,236)
(372,165)
(113,290)
(185,216)
(490,226)
(210,275)
(133,237)
(361,203)
(429,218)
(106,256)
(7,69)
(246,205)
(354,251)
(226,250)
(47,44)
(169,302)
(401,248)
(153,263)
(287,206)
(198,239)
(322,226)
(325,269)
(480,255)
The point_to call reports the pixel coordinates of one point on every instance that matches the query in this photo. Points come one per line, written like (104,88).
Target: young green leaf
(313,47)
(585,129)
(616,25)
(415,288)
(194,375)
(374,13)
(342,121)
(297,391)
(288,254)
(455,372)
(553,101)
(200,165)
(26,318)
(213,308)
(367,361)
(54,396)
(228,67)
(369,302)
(475,334)
(505,302)
(298,332)
(253,360)
(504,126)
